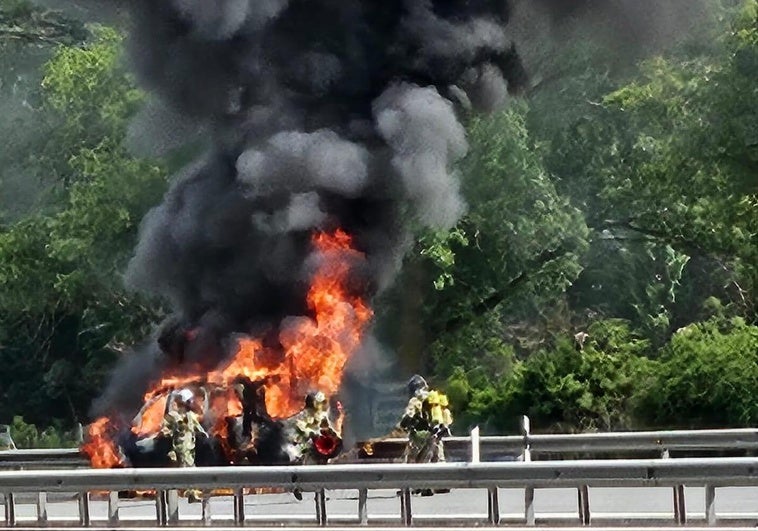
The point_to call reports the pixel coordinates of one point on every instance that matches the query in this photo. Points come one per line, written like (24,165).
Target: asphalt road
(384,506)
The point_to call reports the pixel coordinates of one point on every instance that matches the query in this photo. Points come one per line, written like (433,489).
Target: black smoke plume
(320,114)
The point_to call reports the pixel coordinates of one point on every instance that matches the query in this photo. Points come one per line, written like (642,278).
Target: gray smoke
(323,114)
(320,114)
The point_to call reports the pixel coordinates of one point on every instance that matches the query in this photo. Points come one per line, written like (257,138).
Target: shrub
(708,377)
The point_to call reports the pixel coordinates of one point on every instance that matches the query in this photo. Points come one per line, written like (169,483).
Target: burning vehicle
(255,408)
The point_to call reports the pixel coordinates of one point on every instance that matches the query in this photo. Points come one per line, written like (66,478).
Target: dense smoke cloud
(320,114)
(324,114)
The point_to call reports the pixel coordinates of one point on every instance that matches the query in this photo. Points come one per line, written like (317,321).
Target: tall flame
(312,355)
(102,451)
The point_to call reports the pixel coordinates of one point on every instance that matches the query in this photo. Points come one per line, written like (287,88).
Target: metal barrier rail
(516,445)
(660,442)
(43,458)
(701,472)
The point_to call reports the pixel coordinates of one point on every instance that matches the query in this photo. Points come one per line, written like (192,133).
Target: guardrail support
(584,504)
(526,456)
(529,506)
(113,507)
(710,504)
(363,506)
(406,512)
(160,507)
(526,453)
(10,509)
(320,498)
(475,449)
(172,506)
(680,509)
(239,506)
(41,507)
(493,506)
(206,505)
(84,519)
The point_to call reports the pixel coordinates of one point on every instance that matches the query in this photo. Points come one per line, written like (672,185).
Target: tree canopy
(64,314)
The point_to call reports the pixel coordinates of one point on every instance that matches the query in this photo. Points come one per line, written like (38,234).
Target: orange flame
(102,451)
(312,355)
(151,416)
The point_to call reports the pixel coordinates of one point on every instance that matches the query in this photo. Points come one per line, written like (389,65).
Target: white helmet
(185,396)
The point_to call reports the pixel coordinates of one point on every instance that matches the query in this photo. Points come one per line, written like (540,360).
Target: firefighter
(314,434)
(426,420)
(315,438)
(181,425)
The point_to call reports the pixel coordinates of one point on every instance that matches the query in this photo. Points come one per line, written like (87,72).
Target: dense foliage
(64,314)
(617,199)
(644,186)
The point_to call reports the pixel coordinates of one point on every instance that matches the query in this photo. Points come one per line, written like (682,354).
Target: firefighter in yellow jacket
(426,420)
(181,426)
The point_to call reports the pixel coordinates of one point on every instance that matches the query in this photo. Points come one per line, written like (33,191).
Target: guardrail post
(113,507)
(320,498)
(529,506)
(526,453)
(493,506)
(41,507)
(172,506)
(239,506)
(363,506)
(84,519)
(584,504)
(206,505)
(406,513)
(680,508)
(10,509)
(526,456)
(710,504)
(475,449)
(160,507)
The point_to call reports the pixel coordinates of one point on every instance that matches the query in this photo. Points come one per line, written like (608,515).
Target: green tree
(662,163)
(513,253)
(29,36)
(566,388)
(29,436)
(64,314)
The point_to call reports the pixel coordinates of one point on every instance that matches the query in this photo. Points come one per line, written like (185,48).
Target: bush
(568,389)
(571,389)
(708,377)
(29,436)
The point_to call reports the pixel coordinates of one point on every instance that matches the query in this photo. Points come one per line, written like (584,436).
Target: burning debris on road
(332,133)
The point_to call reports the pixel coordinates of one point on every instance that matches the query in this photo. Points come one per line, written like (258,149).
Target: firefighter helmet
(315,399)
(415,384)
(184,396)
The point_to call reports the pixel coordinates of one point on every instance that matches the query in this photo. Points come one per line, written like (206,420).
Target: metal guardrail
(528,474)
(43,458)
(710,473)
(701,472)
(462,448)
(636,442)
